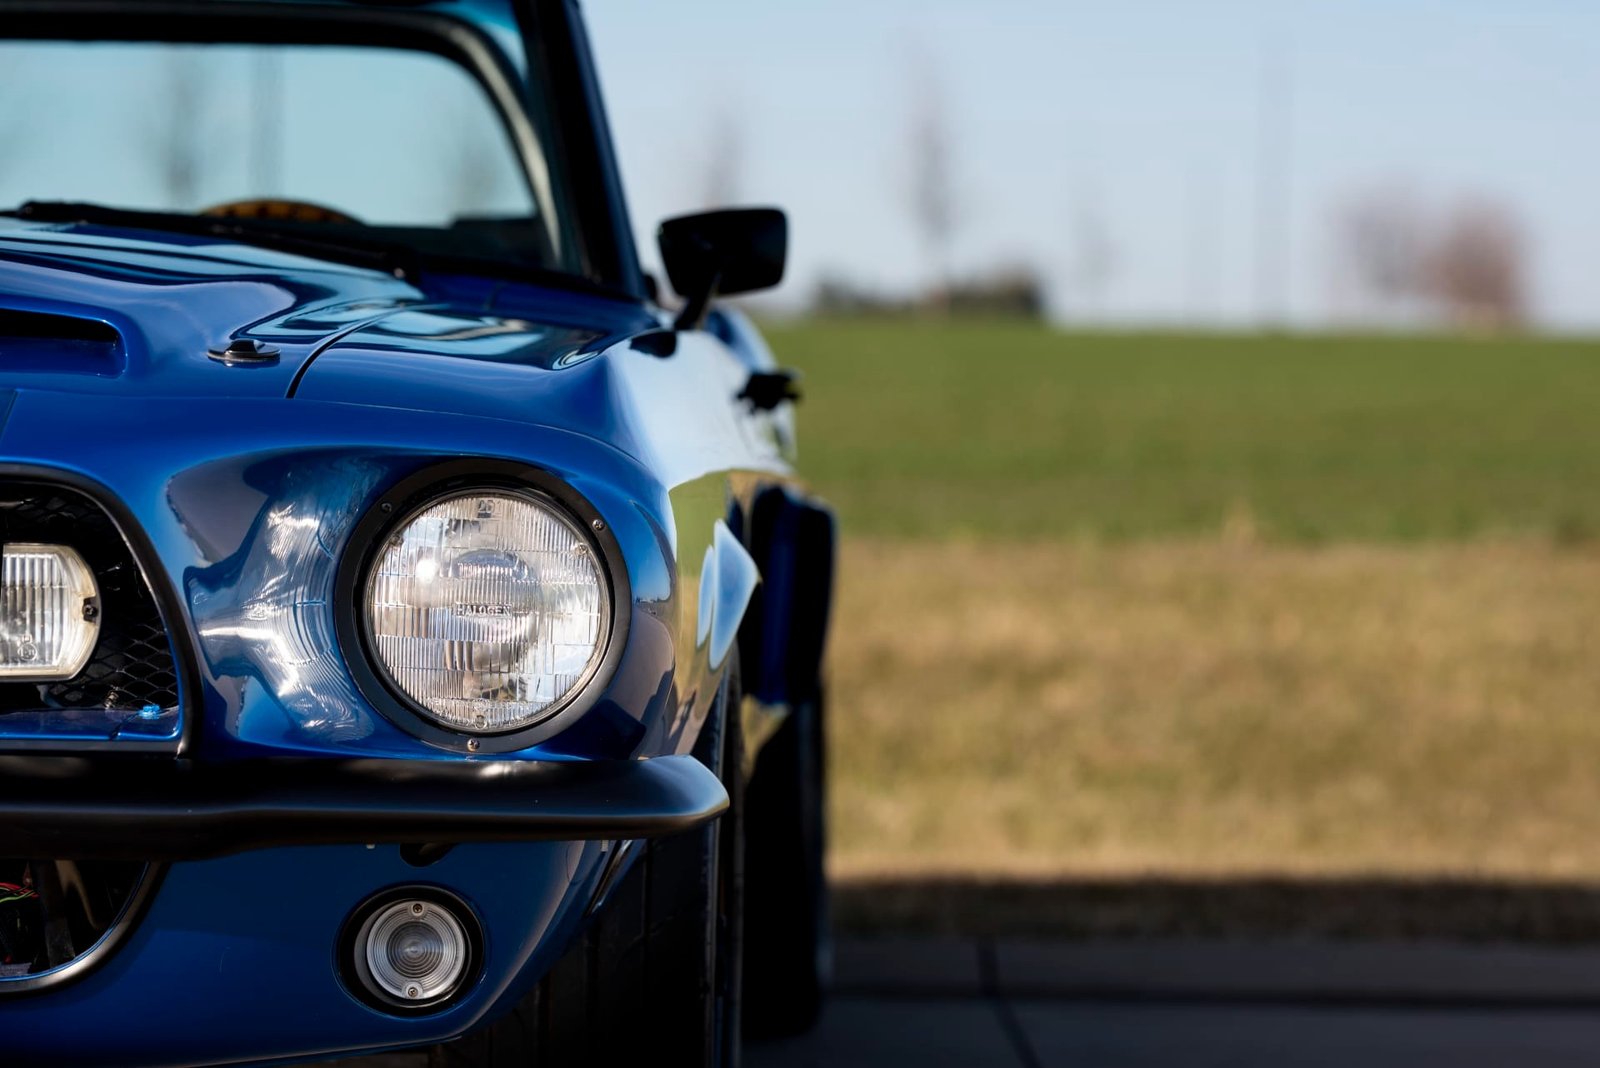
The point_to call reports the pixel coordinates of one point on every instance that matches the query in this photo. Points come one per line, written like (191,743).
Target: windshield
(402,146)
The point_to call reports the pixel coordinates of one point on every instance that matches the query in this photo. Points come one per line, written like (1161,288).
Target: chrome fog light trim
(410,951)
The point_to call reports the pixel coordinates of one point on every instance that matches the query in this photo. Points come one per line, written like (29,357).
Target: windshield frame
(543,139)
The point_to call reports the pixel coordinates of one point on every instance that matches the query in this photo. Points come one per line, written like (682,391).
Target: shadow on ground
(1225,908)
(1147,972)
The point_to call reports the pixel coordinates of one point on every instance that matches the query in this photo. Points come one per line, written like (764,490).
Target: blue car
(411,625)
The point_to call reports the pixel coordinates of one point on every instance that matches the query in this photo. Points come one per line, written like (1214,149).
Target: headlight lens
(49,619)
(488,609)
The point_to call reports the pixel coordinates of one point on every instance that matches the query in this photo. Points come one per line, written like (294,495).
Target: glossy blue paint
(249,499)
(250,530)
(736,579)
(248,482)
(234,961)
(172,298)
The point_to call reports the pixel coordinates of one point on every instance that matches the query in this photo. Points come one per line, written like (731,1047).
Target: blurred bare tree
(473,177)
(1477,268)
(472,171)
(12,110)
(934,208)
(177,136)
(1404,263)
(1381,238)
(266,122)
(721,182)
(1092,255)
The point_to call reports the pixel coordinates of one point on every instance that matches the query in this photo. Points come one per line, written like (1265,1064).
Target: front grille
(132,665)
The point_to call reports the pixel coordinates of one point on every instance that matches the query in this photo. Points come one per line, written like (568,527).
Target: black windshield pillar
(555,30)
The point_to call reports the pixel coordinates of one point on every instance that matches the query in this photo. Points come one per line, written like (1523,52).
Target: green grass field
(953,430)
(1209,606)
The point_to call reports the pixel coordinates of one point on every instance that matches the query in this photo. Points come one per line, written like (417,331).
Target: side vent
(60,344)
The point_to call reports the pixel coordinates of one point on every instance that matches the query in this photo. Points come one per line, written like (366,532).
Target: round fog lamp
(416,952)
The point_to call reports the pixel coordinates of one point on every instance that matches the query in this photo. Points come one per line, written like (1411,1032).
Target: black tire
(657,973)
(788,944)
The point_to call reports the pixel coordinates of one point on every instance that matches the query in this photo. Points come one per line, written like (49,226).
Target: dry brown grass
(1215,709)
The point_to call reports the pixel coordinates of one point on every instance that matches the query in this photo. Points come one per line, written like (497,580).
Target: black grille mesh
(132,664)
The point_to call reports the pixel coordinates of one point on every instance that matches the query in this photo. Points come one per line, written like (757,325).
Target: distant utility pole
(1202,263)
(1275,147)
(724,161)
(1094,256)
(935,209)
(266,127)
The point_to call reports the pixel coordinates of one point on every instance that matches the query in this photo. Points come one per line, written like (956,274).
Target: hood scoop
(45,341)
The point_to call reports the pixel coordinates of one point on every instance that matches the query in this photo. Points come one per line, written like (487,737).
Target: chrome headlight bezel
(401,504)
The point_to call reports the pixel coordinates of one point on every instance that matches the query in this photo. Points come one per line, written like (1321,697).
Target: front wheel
(787,925)
(657,973)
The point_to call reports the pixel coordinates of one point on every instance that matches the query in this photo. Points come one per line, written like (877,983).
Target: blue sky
(93,122)
(1138,121)
(1143,117)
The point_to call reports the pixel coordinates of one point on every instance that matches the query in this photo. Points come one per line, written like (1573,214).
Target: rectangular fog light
(49,612)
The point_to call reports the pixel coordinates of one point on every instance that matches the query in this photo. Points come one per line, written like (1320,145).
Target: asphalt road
(1135,1004)
(1198,1004)
(869,1031)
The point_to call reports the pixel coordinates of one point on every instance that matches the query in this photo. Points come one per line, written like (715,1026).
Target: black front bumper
(103,809)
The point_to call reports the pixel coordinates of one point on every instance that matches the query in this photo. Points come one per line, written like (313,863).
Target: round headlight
(488,610)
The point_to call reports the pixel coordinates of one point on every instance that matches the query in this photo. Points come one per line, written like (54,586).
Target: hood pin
(245,351)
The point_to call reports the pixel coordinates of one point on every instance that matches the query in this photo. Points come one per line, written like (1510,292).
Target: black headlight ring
(395,507)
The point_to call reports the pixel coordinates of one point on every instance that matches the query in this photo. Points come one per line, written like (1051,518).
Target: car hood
(449,344)
(172,300)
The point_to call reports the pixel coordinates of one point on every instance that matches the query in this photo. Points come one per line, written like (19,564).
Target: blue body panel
(233,963)
(248,481)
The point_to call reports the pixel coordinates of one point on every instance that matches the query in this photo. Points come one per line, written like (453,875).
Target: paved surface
(1196,1004)
(1135,1004)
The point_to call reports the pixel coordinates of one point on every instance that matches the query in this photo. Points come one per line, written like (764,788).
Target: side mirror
(720,253)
